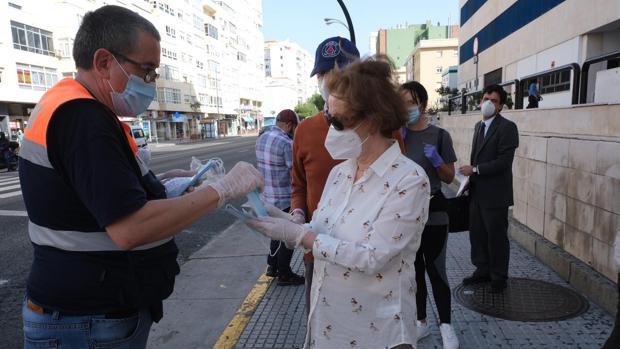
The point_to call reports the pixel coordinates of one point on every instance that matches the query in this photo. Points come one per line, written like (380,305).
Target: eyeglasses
(151,74)
(331,120)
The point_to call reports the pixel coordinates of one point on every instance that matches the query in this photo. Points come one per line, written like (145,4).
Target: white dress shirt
(487,124)
(363,288)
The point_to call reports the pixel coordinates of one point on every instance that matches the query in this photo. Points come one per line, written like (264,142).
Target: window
(213,83)
(199,64)
(168,53)
(211,31)
(438,69)
(32,77)
(203,98)
(182,35)
(171,32)
(65,47)
(201,80)
(15,6)
(553,82)
(169,72)
(27,38)
(197,21)
(241,57)
(168,95)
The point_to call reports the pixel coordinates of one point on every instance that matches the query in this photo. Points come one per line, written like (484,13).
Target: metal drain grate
(523,300)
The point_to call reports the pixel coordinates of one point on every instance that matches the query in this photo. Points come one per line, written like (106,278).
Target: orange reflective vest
(34,147)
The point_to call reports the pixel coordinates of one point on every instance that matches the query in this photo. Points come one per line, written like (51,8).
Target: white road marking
(17,186)
(8,195)
(9,213)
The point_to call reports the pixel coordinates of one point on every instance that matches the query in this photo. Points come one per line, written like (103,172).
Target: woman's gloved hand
(277,213)
(299,216)
(279,229)
(431,153)
(240,180)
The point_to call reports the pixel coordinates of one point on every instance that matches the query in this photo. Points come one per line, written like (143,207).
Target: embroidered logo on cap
(331,49)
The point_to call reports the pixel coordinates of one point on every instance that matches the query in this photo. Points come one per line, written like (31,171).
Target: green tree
(317,100)
(306,109)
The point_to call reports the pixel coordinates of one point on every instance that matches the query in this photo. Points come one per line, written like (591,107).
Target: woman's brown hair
(368,88)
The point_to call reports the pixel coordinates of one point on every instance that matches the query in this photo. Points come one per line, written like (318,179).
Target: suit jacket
(491,187)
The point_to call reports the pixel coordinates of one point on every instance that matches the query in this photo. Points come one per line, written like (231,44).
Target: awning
(248,119)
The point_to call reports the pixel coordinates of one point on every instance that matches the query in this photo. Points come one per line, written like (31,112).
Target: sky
(301,21)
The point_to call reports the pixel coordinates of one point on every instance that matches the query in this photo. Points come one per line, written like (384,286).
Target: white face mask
(343,145)
(323,90)
(488,109)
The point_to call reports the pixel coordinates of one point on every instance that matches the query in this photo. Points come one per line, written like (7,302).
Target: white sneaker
(422,329)
(448,337)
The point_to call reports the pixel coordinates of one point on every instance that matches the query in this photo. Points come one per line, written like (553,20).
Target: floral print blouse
(368,234)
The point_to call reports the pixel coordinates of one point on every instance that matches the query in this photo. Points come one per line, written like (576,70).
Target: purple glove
(430,151)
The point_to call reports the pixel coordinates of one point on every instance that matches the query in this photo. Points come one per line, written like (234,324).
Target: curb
(242,317)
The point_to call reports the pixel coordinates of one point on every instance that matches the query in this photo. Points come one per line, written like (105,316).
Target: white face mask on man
(345,144)
(323,90)
(488,109)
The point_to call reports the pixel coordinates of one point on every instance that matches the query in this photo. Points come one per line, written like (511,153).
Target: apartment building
(427,62)
(287,74)
(198,96)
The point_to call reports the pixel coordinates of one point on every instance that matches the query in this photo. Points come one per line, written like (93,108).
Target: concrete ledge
(578,274)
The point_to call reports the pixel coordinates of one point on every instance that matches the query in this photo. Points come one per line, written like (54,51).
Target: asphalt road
(16,251)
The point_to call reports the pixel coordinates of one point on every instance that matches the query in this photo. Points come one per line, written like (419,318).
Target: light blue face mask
(414,115)
(136,97)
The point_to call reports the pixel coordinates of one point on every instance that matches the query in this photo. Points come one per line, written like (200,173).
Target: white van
(138,134)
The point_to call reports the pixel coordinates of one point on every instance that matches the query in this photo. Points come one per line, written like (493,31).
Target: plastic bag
(178,185)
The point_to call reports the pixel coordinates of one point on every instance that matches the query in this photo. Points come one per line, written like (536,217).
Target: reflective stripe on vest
(79,241)
(34,146)
(34,149)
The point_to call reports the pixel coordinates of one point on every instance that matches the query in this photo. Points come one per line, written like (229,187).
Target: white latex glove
(279,229)
(299,216)
(240,180)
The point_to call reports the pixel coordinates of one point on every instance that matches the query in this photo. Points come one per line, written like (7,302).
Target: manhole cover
(523,300)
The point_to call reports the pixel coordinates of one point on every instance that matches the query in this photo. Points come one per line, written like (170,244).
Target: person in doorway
(431,147)
(533,95)
(274,160)
(490,185)
(367,227)
(102,232)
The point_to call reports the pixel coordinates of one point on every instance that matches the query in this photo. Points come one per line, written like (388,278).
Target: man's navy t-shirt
(93,184)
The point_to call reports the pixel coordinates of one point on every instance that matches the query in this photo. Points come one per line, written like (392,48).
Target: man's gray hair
(113,28)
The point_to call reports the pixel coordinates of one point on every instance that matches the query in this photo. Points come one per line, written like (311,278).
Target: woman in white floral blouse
(367,227)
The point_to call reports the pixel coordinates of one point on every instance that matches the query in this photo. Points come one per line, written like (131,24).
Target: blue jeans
(89,331)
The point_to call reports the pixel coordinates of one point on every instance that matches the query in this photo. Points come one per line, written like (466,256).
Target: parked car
(138,134)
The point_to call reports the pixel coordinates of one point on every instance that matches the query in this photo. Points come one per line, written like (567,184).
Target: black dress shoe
(291,279)
(476,279)
(271,272)
(498,286)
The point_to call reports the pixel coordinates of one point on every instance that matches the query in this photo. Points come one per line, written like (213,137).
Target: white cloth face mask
(343,145)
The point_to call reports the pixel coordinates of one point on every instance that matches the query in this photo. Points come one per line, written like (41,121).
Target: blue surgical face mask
(136,97)
(414,115)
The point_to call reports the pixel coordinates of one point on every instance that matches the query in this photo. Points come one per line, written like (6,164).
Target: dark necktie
(480,138)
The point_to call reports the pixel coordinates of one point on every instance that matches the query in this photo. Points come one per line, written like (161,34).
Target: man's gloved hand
(240,180)
(431,153)
(279,229)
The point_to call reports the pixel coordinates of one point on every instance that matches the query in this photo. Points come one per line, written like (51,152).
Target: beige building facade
(427,63)
(567,167)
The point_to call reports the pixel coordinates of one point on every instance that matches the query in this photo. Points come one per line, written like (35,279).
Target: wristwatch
(475,169)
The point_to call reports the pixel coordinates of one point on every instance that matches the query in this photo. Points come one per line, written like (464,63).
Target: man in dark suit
(493,149)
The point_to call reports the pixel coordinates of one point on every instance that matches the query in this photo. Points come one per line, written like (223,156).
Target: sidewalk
(214,282)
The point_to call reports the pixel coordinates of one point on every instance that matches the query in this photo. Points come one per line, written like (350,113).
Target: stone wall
(566,176)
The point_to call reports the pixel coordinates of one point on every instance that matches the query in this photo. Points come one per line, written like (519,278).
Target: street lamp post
(329,21)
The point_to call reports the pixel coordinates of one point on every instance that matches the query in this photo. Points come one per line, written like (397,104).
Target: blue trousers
(54,330)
